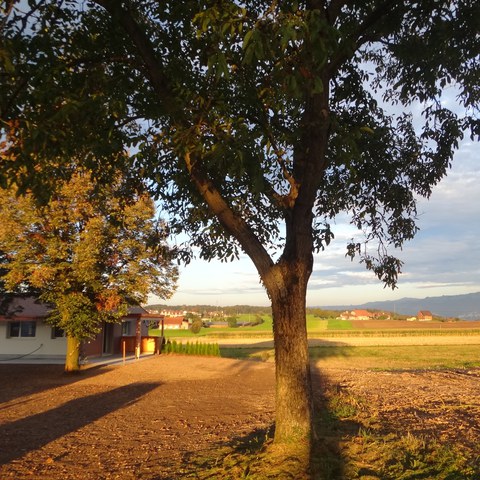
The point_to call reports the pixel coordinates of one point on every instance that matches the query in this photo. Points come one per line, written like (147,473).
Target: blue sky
(443,259)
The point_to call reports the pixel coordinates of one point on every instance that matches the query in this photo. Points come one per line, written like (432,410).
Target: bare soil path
(142,420)
(152,419)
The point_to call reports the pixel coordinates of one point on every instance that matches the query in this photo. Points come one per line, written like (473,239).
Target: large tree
(90,253)
(256,122)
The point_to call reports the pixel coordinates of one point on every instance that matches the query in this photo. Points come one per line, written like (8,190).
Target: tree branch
(234,224)
(358,37)
(143,44)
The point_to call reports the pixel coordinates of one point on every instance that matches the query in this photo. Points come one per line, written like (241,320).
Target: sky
(442,259)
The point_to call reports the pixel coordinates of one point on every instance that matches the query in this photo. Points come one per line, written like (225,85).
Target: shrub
(258,321)
(232,322)
(196,325)
(197,348)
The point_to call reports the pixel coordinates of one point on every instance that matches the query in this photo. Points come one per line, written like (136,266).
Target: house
(172,313)
(175,323)
(25,332)
(424,316)
(356,315)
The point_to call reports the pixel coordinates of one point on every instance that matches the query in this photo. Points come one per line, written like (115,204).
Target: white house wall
(43,342)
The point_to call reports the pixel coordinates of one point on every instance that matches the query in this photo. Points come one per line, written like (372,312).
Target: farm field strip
(385,357)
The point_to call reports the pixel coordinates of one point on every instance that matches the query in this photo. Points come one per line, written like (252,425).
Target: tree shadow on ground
(28,434)
(255,456)
(21,380)
(331,426)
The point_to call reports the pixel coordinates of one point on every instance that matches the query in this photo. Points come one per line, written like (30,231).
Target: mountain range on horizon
(465,307)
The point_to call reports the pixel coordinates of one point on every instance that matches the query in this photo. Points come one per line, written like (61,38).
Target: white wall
(43,341)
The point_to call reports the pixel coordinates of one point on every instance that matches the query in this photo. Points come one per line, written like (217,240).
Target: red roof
(173,320)
(361,313)
(27,308)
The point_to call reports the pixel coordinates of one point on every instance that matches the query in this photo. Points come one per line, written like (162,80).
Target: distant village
(25,331)
(422,316)
(182,319)
(174,319)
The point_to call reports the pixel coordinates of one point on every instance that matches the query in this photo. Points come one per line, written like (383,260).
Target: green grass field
(320,328)
(314,325)
(264,328)
(402,357)
(381,358)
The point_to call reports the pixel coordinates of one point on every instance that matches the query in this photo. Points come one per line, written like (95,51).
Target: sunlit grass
(335,324)
(322,328)
(378,357)
(403,357)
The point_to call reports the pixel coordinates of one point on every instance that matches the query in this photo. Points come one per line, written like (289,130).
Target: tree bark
(72,359)
(294,405)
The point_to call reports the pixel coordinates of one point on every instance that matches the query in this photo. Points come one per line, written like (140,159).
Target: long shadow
(28,434)
(20,380)
(325,462)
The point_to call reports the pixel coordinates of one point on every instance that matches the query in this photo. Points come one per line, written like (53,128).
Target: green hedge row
(191,348)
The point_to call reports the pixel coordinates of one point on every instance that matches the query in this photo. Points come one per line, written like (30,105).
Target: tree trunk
(72,359)
(294,405)
(138,338)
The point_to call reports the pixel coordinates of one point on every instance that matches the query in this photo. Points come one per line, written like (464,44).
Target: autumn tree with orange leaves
(90,252)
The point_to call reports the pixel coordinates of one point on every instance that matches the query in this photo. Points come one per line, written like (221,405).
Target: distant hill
(466,307)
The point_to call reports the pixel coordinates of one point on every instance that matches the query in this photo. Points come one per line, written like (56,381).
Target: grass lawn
(335,324)
(381,358)
(262,329)
(329,328)
(403,357)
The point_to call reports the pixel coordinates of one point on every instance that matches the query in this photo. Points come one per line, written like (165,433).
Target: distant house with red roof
(424,316)
(356,315)
(175,323)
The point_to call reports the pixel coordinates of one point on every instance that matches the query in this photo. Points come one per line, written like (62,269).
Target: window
(58,332)
(21,329)
(126,328)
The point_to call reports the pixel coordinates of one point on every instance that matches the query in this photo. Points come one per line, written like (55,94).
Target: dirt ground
(152,418)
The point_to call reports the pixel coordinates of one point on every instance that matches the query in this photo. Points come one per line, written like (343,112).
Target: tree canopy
(255,123)
(230,87)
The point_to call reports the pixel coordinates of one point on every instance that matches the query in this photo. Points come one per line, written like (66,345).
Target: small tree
(89,253)
(196,325)
(258,320)
(232,322)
